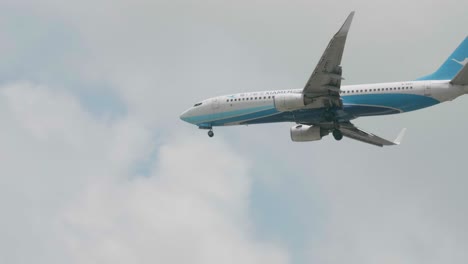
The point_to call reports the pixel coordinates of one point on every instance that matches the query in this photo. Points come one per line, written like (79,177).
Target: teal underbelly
(381,104)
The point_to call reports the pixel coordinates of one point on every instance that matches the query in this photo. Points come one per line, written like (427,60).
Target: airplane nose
(184,116)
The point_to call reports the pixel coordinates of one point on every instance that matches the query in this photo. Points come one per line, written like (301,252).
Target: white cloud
(191,210)
(68,193)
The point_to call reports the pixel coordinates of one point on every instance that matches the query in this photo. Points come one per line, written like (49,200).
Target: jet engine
(301,133)
(289,102)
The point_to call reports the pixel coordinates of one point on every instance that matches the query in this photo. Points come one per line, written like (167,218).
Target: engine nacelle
(289,102)
(301,133)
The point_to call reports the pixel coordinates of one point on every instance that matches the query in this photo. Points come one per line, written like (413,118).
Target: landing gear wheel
(337,134)
(210,133)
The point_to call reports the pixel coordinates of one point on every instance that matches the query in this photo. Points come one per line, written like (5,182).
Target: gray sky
(96,166)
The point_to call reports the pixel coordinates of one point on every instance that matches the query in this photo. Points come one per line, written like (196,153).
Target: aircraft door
(215,103)
(427,89)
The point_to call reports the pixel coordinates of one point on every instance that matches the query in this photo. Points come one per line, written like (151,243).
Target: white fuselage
(358,100)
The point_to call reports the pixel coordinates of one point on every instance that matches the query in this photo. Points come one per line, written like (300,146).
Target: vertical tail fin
(452,65)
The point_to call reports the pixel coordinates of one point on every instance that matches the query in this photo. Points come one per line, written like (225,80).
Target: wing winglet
(346,25)
(400,137)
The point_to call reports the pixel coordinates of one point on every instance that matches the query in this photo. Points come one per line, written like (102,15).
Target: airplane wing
(351,131)
(326,78)
(326,81)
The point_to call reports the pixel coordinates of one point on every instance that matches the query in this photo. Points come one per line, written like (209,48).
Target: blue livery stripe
(402,102)
(245,118)
(226,115)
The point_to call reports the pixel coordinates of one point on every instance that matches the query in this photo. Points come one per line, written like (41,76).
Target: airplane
(324,106)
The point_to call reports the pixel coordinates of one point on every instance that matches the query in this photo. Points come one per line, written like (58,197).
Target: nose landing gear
(210,133)
(209,128)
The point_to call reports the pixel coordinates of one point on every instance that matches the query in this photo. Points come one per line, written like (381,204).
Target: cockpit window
(197,104)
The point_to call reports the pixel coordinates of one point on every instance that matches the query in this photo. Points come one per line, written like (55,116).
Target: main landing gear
(337,134)
(210,133)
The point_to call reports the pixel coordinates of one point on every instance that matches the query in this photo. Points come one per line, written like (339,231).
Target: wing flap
(351,131)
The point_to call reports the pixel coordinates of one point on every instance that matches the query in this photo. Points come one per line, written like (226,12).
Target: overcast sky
(96,166)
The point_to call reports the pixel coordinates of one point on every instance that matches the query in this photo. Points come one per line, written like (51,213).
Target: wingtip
(347,24)
(400,137)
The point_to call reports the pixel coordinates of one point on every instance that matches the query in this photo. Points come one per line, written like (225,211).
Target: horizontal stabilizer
(462,76)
